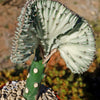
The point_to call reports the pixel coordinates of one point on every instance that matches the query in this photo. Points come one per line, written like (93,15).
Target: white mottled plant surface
(52,25)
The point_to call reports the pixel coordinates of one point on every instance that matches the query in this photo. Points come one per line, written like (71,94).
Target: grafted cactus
(52,26)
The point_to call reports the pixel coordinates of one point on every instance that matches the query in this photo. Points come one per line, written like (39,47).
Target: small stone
(14,95)
(28,75)
(14,82)
(4,87)
(18,92)
(7,83)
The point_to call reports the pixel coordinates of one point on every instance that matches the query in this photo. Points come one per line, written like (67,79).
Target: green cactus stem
(33,80)
(34,77)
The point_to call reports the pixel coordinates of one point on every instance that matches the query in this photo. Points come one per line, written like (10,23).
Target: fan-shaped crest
(54,26)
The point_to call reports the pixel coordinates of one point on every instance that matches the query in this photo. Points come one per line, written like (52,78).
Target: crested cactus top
(52,25)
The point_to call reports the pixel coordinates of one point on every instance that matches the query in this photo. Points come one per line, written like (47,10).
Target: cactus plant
(51,25)
(33,81)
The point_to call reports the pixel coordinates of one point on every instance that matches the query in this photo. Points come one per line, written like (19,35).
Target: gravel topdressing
(14,91)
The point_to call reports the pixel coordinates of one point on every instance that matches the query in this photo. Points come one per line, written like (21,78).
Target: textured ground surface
(14,91)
